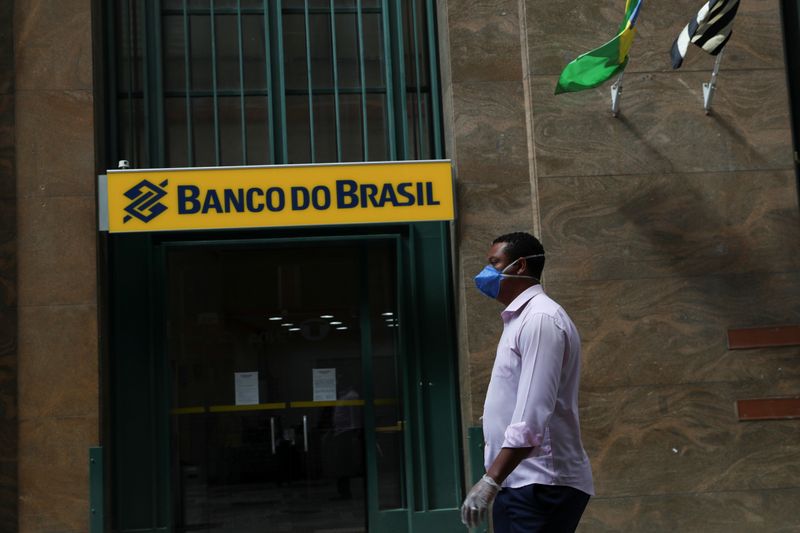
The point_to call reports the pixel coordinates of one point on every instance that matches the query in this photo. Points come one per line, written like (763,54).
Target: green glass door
(189,311)
(286,375)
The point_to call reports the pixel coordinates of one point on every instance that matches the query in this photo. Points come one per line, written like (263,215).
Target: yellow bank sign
(292,195)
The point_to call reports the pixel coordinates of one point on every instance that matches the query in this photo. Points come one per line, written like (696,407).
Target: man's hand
(477,502)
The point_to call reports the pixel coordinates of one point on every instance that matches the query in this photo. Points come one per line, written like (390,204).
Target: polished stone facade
(664,227)
(57,308)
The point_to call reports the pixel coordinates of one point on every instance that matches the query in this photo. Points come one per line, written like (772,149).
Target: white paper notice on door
(324,384)
(246,387)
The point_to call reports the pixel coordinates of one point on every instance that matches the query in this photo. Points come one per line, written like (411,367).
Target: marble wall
(58,350)
(8,278)
(664,227)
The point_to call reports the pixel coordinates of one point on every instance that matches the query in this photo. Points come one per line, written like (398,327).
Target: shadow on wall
(718,223)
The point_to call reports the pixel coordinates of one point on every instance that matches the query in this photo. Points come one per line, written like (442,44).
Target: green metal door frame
(137,127)
(139,448)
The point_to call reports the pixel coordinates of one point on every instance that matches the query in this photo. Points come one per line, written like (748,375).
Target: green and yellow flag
(595,67)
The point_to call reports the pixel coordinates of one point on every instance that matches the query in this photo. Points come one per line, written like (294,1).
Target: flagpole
(709,88)
(616,93)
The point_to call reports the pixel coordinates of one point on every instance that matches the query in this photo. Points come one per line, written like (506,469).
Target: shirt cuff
(519,436)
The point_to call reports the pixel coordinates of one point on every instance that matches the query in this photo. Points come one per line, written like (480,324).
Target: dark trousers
(538,509)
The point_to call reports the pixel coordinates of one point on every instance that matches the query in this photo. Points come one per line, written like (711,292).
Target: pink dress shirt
(532,398)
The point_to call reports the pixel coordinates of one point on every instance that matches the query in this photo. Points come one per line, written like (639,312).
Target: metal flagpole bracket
(710,87)
(616,93)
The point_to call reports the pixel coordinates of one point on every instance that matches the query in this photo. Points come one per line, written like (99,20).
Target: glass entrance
(285,411)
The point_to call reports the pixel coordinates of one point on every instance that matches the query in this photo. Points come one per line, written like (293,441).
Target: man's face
(498,258)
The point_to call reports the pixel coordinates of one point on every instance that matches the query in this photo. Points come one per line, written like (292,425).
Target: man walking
(537,472)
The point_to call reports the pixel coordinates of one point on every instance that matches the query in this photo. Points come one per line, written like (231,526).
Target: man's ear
(523,266)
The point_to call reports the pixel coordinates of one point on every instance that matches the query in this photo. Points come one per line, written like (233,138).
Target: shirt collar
(519,302)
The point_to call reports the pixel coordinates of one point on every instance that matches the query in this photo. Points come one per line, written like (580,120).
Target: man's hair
(521,244)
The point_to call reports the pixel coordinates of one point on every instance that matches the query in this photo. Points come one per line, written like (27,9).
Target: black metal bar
(258,11)
(187,72)
(241,81)
(214,96)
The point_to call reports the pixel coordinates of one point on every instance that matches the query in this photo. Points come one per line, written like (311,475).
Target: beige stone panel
(673,330)
(53,45)
(686,438)
(57,251)
(697,306)
(662,127)
(489,132)
(607,363)
(55,143)
(58,373)
(484,40)
(485,212)
(638,226)
(738,511)
(54,473)
(558,33)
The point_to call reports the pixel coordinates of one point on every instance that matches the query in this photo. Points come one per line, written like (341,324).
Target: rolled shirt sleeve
(542,347)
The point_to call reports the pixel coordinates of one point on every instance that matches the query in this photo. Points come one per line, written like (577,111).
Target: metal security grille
(244,82)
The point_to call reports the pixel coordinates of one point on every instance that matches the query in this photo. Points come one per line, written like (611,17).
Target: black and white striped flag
(710,30)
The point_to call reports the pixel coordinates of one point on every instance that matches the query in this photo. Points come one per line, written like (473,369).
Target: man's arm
(506,461)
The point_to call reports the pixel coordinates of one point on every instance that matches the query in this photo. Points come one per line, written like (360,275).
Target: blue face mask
(488,279)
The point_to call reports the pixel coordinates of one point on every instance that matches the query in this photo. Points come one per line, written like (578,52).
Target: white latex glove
(477,502)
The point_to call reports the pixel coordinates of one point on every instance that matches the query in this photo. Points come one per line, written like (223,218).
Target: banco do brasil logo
(144,197)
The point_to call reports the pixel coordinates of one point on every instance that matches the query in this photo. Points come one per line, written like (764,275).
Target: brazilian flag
(596,66)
